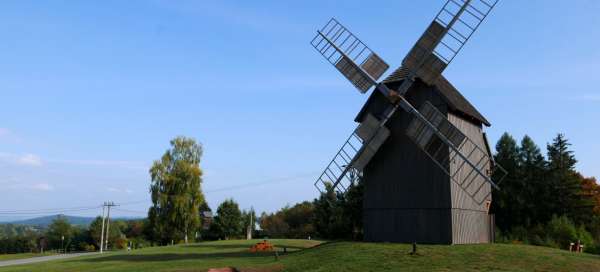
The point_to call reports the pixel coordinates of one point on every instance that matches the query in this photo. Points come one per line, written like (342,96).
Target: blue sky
(92,91)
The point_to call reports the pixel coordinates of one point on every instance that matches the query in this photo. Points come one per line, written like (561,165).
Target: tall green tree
(353,209)
(566,186)
(330,220)
(229,219)
(506,203)
(59,233)
(534,190)
(176,191)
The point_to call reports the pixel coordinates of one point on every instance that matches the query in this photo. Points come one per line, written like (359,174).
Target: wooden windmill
(420,148)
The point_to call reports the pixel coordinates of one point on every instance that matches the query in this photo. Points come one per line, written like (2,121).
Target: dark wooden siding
(407,197)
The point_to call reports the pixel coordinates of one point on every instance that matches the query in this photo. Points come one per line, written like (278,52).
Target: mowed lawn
(304,255)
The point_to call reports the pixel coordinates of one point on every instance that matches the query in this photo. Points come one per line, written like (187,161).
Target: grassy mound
(306,255)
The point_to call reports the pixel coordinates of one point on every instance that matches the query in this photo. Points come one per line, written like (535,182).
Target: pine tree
(505,202)
(532,172)
(561,164)
(565,186)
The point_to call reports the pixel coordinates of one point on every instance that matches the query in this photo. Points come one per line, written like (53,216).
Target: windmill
(420,148)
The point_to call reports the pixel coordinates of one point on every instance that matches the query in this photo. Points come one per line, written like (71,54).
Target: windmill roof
(455,100)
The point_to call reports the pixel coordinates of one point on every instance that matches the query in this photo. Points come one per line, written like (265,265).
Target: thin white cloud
(118,190)
(590,97)
(24,159)
(29,159)
(42,187)
(115,163)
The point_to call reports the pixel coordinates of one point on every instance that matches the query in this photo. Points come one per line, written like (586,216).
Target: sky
(91,92)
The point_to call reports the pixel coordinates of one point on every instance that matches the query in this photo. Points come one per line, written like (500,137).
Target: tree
(289,222)
(59,233)
(591,190)
(330,221)
(116,230)
(299,218)
(506,203)
(95,230)
(176,190)
(565,185)
(229,219)
(274,225)
(532,174)
(353,209)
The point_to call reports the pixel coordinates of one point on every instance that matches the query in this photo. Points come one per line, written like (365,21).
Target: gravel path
(44,258)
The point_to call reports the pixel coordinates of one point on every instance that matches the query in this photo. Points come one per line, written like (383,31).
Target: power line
(42,212)
(130,211)
(236,187)
(29,212)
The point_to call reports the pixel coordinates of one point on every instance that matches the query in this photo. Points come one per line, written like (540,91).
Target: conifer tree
(532,174)
(505,203)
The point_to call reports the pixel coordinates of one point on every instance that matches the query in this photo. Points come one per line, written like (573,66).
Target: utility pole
(108,205)
(102,232)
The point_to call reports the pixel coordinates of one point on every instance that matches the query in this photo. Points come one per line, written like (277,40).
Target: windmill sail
(354,59)
(432,53)
(468,165)
(452,27)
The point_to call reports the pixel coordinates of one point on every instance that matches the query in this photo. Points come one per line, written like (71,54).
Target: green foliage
(18,244)
(339,215)
(289,222)
(562,231)
(95,230)
(59,233)
(507,203)
(229,219)
(545,202)
(176,191)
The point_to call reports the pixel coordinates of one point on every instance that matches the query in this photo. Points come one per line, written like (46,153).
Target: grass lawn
(6,257)
(306,255)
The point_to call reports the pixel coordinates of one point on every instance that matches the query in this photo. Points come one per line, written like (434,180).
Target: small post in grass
(414,248)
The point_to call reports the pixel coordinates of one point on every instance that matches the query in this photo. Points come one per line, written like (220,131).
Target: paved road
(44,258)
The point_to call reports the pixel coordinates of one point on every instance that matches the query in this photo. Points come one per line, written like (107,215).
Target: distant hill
(44,221)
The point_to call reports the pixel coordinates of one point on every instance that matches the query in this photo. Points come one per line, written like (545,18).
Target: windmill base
(428,226)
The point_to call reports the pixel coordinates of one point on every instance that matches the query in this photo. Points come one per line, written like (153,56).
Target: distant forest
(543,201)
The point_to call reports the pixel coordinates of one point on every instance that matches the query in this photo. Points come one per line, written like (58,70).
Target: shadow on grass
(237,246)
(159,257)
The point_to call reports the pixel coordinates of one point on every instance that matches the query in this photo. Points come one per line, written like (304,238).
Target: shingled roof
(455,99)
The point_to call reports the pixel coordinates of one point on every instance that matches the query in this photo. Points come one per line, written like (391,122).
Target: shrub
(562,230)
(89,248)
(519,234)
(585,237)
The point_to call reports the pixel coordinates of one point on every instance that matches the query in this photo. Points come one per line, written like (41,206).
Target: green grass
(337,256)
(6,257)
